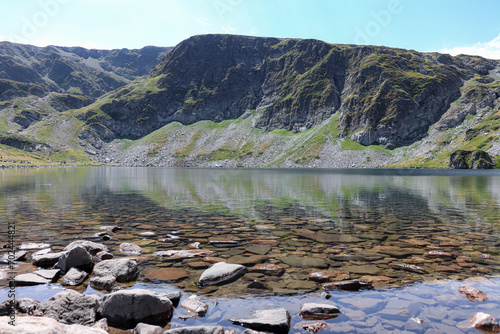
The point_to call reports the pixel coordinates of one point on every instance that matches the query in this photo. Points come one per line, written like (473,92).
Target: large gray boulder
(23,305)
(108,272)
(92,247)
(71,307)
(221,272)
(275,320)
(37,277)
(43,325)
(194,305)
(74,276)
(127,308)
(77,257)
(196,330)
(47,260)
(143,328)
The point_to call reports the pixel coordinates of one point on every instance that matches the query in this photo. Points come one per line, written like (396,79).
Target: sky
(449,26)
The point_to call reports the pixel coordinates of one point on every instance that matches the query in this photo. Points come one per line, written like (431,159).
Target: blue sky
(453,26)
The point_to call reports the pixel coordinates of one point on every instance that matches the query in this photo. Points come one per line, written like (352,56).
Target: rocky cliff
(297,102)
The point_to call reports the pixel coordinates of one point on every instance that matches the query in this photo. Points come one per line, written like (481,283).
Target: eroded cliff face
(383,96)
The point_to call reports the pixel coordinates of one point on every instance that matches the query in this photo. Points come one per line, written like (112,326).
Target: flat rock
(47,260)
(112,229)
(147,234)
(129,248)
(304,262)
(328,275)
(74,276)
(439,254)
(166,275)
(108,272)
(366,269)
(44,325)
(92,247)
(196,330)
(267,269)
(71,307)
(247,260)
(352,285)
(408,267)
(472,294)
(194,305)
(37,277)
(14,256)
(315,311)
(275,320)
(143,328)
(484,322)
(127,308)
(177,255)
(76,257)
(33,245)
(259,249)
(221,272)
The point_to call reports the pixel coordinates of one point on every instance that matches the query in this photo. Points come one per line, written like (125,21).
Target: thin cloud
(489,49)
(228,29)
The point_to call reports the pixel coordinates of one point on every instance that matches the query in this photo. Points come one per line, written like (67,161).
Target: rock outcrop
(477,159)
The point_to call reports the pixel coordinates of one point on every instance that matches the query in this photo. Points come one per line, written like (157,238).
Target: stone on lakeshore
(42,251)
(112,229)
(104,255)
(221,272)
(26,306)
(127,308)
(302,285)
(74,276)
(131,249)
(328,275)
(198,265)
(408,267)
(484,322)
(247,260)
(108,272)
(439,254)
(377,279)
(259,249)
(166,275)
(472,294)
(44,325)
(33,245)
(315,311)
(353,285)
(71,307)
(14,256)
(313,327)
(92,247)
(46,260)
(267,269)
(196,330)
(143,328)
(147,234)
(275,320)
(102,235)
(304,262)
(366,269)
(37,277)
(194,305)
(102,324)
(76,257)
(177,255)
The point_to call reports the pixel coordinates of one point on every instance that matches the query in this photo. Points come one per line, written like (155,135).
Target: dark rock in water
(352,285)
(472,294)
(92,247)
(257,285)
(102,235)
(484,322)
(221,272)
(314,311)
(127,308)
(76,257)
(275,320)
(314,327)
(103,255)
(74,276)
(71,307)
(477,159)
(196,330)
(13,257)
(44,325)
(194,305)
(37,277)
(46,260)
(108,272)
(143,328)
(408,267)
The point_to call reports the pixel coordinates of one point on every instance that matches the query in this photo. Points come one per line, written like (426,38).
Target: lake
(362,224)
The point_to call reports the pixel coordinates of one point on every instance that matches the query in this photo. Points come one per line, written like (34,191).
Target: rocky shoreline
(148,312)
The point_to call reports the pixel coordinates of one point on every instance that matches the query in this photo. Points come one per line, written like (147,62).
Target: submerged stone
(315,311)
(472,294)
(353,285)
(274,320)
(221,272)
